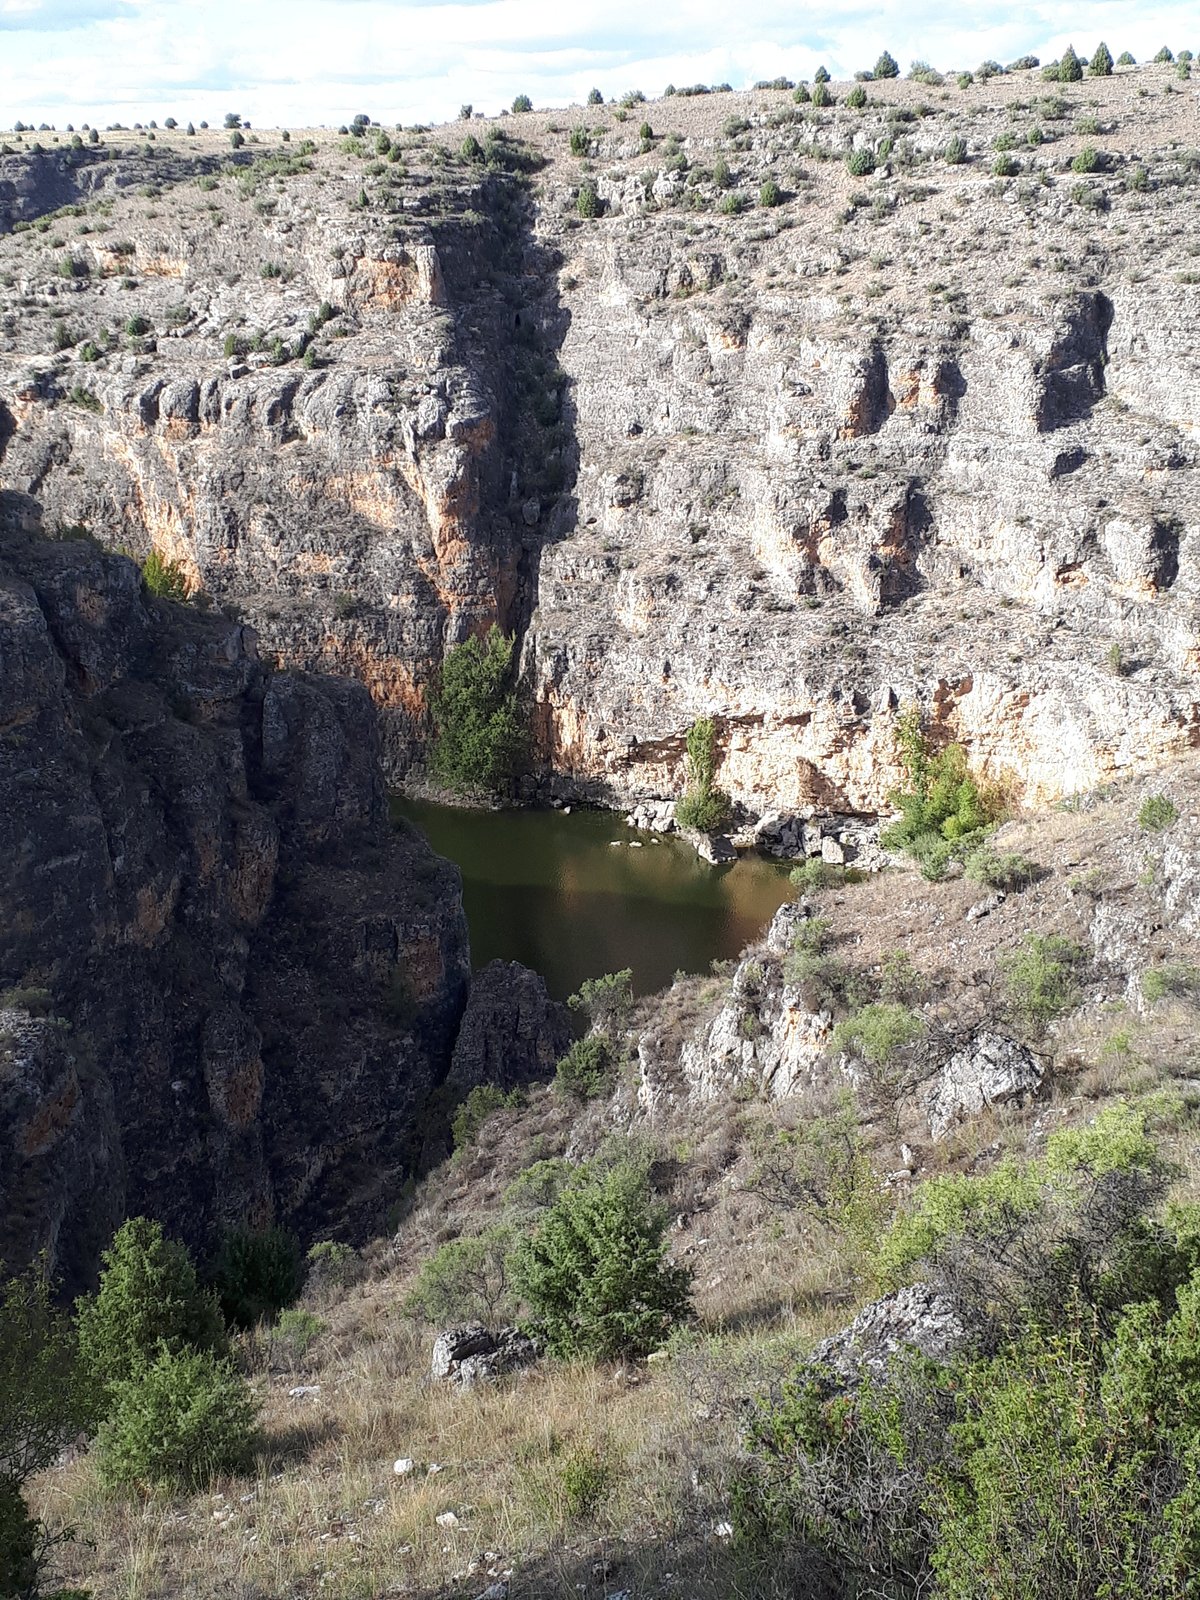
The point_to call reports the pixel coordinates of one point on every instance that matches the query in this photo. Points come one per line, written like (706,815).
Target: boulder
(474,1354)
(989,1071)
(918,1317)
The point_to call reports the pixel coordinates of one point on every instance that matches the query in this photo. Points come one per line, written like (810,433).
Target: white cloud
(320,61)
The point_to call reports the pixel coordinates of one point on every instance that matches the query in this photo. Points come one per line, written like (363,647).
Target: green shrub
(877,1031)
(138,325)
(820,1170)
(183,1420)
(886,66)
(814,876)
(732,204)
(522,103)
(1164,56)
(1008,871)
(1088,160)
(1126,59)
(162,577)
(821,96)
(1041,978)
(478,742)
(1157,813)
(63,338)
(857,98)
(821,75)
(586,1479)
(467,1280)
(149,1298)
(943,812)
(580,141)
(479,1105)
(1070,67)
(588,1068)
(587,201)
(1174,979)
(955,152)
(258,1274)
(595,1271)
(704,807)
(236,139)
(860,163)
(770,194)
(606,1001)
(1005,166)
(331,1265)
(293,1335)
(73,267)
(1101,64)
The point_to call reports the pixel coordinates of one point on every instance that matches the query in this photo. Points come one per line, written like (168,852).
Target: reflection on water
(572,896)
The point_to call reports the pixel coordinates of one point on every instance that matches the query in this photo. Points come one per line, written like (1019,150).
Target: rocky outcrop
(511,1032)
(990,1070)
(475,1354)
(229,983)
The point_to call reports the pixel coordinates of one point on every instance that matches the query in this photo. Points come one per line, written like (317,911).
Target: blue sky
(305,62)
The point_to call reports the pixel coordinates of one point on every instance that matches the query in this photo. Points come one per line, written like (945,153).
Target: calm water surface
(570,897)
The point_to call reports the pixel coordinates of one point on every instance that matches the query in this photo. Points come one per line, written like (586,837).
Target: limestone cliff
(227,983)
(926,434)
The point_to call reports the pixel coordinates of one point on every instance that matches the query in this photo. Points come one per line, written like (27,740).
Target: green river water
(573,897)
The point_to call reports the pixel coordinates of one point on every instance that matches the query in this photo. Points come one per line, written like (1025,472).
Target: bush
(821,75)
(467,1280)
(331,1265)
(1070,67)
(770,194)
(293,1336)
(1005,166)
(236,140)
(258,1274)
(478,742)
(1041,978)
(588,1067)
(886,66)
(1175,979)
(955,152)
(595,1273)
(595,98)
(178,1424)
(857,98)
(814,875)
(943,812)
(138,326)
(580,141)
(1126,59)
(877,1031)
(162,577)
(522,103)
(732,205)
(149,1299)
(607,1001)
(474,1111)
(704,807)
(1101,64)
(821,96)
(1164,56)
(1088,160)
(587,201)
(860,163)
(1157,813)
(820,1170)
(1008,872)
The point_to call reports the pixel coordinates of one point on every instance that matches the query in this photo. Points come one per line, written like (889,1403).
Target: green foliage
(331,1264)
(877,1031)
(595,98)
(46,1394)
(1007,871)
(821,96)
(821,75)
(1070,67)
(594,1272)
(471,149)
(587,201)
(474,1111)
(1024,1244)
(258,1274)
(580,141)
(149,1299)
(162,577)
(1164,55)
(606,1001)
(770,194)
(704,807)
(588,1068)
(886,66)
(860,163)
(1088,160)
(821,1171)
(236,139)
(1005,166)
(73,267)
(138,326)
(184,1419)
(1101,64)
(1157,813)
(479,742)
(1126,59)
(955,152)
(943,812)
(522,103)
(467,1280)
(1042,978)
(293,1335)
(586,1479)
(814,875)
(1176,979)
(857,98)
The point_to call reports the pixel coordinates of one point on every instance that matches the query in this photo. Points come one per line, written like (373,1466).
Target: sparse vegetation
(1157,814)
(479,741)
(704,807)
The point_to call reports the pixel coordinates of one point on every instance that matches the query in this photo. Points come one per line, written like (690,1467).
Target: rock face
(511,1031)
(474,1354)
(989,1071)
(227,983)
(705,464)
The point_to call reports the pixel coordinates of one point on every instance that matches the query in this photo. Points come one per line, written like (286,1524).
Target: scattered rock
(446,1519)
(991,1070)
(984,908)
(404,1466)
(304,1391)
(918,1317)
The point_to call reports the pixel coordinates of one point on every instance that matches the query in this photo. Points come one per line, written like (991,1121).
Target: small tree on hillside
(887,66)
(1101,64)
(478,742)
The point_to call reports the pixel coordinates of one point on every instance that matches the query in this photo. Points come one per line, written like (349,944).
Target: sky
(299,63)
